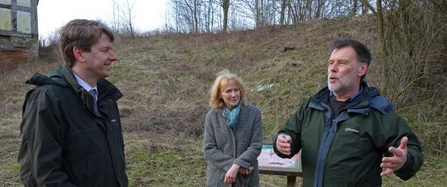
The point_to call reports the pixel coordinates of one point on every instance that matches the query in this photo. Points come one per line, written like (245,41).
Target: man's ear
(77,52)
(363,69)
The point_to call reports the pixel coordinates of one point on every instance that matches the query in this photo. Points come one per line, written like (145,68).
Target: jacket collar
(105,87)
(369,98)
(64,76)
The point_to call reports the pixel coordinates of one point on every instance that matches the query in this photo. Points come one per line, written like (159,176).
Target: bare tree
(182,15)
(319,9)
(193,9)
(355,5)
(225,8)
(282,13)
(123,17)
(410,33)
(210,9)
(378,11)
(252,9)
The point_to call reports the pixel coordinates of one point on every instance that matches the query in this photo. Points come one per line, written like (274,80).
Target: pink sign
(268,160)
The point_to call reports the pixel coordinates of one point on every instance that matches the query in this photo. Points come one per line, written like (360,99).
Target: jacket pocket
(84,157)
(92,175)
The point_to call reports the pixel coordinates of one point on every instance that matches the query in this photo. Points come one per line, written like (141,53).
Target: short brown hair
(221,81)
(81,33)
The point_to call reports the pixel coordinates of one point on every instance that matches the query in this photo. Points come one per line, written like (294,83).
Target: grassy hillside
(166,78)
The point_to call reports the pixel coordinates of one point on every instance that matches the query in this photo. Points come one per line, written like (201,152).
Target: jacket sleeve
(396,129)
(292,128)
(249,157)
(40,155)
(217,157)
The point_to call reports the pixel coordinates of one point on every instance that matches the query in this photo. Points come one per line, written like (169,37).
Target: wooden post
(291,181)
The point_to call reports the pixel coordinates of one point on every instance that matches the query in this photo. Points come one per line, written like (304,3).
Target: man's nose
(113,56)
(332,68)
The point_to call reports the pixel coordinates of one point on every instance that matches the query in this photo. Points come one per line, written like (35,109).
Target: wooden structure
(19,39)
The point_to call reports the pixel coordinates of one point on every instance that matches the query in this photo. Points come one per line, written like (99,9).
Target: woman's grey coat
(224,146)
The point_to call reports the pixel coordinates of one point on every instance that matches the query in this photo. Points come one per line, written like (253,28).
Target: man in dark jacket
(347,132)
(71,129)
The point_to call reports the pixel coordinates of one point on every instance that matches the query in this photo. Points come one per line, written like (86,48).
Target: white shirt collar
(84,84)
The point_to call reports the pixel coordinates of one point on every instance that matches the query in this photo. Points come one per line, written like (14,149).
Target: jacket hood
(369,97)
(54,78)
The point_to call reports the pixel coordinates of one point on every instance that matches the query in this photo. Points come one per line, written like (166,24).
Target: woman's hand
(245,171)
(230,176)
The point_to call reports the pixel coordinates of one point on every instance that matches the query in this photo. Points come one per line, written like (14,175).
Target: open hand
(397,160)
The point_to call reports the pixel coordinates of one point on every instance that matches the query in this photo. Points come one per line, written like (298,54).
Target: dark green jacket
(347,150)
(63,142)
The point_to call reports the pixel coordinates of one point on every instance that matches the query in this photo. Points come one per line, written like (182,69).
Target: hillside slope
(166,78)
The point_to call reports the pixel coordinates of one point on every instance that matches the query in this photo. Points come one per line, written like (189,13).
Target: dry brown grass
(165,81)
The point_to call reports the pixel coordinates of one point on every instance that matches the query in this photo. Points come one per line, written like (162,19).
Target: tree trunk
(225,7)
(354,8)
(381,38)
(282,12)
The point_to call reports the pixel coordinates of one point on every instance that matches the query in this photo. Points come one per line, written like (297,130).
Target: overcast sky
(52,14)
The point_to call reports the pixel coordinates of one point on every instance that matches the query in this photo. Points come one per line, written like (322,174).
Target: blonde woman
(233,135)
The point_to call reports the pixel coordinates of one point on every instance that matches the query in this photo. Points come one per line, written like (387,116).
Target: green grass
(154,165)
(8,159)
